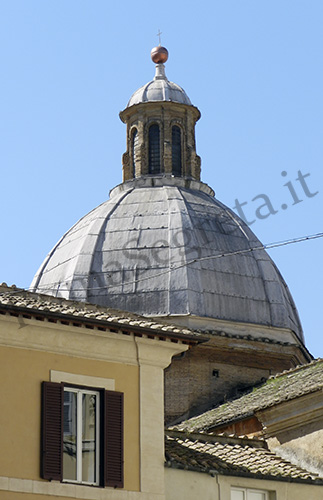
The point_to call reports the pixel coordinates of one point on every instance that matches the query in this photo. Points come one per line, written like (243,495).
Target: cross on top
(158,34)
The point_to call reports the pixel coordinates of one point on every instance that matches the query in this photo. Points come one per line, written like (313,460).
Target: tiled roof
(235,457)
(251,338)
(11,296)
(15,299)
(285,386)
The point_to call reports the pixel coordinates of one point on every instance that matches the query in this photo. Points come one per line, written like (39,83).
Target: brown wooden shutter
(113,452)
(52,431)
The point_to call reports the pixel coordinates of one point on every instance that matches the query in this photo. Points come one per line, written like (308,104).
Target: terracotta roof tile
(12,298)
(285,386)
(241,458)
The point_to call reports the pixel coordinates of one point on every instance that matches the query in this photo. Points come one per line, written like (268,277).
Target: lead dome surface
(155,249)
(159,89)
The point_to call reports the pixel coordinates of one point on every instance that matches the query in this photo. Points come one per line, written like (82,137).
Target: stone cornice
(114,347)
(27,305)
(292,414)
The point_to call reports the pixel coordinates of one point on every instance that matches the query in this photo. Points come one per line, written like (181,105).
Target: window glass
(154,149)
(88,438)
(176,151)
(256,495)
(237,495)
(134,148)
(69,436)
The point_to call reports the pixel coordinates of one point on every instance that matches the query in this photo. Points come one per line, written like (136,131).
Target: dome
(164,246)
(159,89)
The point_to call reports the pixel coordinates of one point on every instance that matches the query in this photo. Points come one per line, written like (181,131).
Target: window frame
(80,391)
(111,454)
(246,492)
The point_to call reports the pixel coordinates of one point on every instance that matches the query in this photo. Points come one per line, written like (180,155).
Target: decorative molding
(73,378)
(56,489)
(289,415)
(82,342)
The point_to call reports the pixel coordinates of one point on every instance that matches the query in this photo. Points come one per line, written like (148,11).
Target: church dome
(165,246)
(159,89)
(162,245)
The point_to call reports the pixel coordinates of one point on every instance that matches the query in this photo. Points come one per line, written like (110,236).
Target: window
(134,149)
(176,151)
(154,149)
(248,494)
(82,435)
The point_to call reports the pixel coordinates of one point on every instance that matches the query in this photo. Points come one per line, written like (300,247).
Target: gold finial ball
(159,54)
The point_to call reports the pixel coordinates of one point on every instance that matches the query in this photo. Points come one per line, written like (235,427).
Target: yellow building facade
(93,354)
(52,341)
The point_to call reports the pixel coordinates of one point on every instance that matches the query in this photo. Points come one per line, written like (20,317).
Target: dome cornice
(151,181)
(152,106)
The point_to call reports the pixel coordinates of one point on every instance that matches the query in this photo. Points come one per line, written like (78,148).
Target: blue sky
(253,68)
